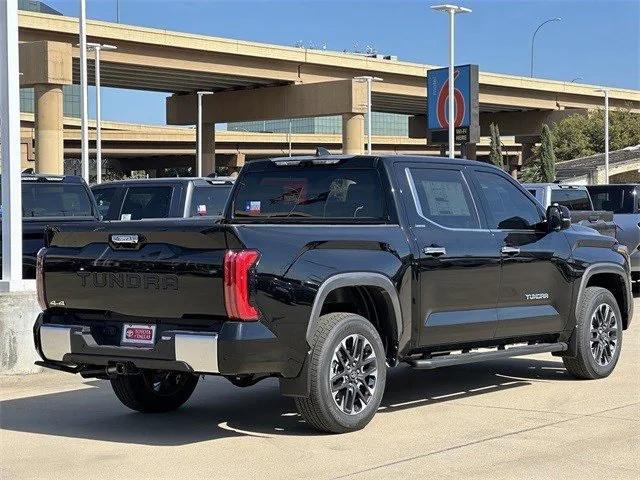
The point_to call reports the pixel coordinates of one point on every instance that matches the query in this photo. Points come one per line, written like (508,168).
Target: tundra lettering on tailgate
(145,281)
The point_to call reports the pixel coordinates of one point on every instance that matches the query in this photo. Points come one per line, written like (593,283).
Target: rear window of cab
(310,194)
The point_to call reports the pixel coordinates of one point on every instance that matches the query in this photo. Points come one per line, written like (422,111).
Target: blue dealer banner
(466,104)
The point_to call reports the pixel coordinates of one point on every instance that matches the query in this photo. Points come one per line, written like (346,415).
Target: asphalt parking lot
(519,418)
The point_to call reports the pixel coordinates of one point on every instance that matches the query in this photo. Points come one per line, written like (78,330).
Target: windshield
(55,200)
(310,193)
(612,198)
(572,198)
(209,201)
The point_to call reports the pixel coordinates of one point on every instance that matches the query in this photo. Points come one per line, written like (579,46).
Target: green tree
(547,155)
(581,135)
(495,152)
(542,166)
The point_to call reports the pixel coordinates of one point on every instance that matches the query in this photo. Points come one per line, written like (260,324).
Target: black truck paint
(432,257)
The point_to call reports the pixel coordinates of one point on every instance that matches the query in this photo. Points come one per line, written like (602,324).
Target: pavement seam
(476,442)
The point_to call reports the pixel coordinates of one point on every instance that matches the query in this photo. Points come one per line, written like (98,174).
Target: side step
(473,357)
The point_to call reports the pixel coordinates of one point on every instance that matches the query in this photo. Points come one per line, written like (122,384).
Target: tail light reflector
(237,267)
(42,296)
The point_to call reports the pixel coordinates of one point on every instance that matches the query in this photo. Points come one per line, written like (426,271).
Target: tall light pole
(11,199)
(97,47)
(84,120)
(289,137)
(369,79)
(199,133)
(606,131)
(451,10)
(533,39)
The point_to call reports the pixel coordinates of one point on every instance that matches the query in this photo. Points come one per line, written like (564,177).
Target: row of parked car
(51,200)
(612,210)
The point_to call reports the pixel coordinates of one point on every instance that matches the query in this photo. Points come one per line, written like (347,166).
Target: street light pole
(10,156)
(369,79)
(451,10)
(199,133)
(533,39)
(84,120)
(97,47)
(606,132)
(289,137)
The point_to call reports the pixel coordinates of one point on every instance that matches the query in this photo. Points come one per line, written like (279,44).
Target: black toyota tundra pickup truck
(324,272)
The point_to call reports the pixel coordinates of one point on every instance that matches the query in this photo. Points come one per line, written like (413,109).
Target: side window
(508,208)
(442,196)
(103,197)
(146,202)
(209,201)
(572,198)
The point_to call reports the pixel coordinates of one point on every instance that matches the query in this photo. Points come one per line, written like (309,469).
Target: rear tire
(154,391)
(347,374)
(598,335)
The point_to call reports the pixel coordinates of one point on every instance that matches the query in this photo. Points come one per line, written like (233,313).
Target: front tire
(347,374)
(598,335)
(154,391)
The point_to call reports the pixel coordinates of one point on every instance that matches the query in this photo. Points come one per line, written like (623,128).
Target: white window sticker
(125,217)
(253,206)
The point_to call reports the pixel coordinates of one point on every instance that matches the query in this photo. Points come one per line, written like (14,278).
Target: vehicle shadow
(218,409)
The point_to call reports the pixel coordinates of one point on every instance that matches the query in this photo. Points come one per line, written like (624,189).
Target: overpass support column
(353,133)
(208,148)
(49,130)
(47,66)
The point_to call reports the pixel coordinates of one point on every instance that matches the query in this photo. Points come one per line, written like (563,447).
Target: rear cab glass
(313,193)
(145,202)
(104,198)
(572,198)
(45,199)
(616,199)
(209,200)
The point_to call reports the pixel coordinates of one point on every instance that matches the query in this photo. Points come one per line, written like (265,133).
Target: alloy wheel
(604,334)
(353,374)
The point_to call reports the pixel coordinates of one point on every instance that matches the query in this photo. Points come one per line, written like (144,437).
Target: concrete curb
(18,313)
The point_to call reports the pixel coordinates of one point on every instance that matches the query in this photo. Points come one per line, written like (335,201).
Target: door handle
(434,251)
(510,250)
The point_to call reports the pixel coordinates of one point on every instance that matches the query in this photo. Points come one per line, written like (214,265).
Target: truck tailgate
(142,269)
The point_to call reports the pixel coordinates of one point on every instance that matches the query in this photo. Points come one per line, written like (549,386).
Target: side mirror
(558,218)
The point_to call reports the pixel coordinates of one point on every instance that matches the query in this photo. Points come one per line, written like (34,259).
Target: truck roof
(172,181)
(328,159)
(556,186)
(33,177)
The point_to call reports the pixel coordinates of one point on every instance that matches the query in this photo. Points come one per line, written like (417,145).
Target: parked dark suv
(324,272)
(162,198)
(50,200)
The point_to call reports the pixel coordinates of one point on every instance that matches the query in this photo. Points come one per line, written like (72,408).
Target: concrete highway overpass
(127,147)
(257,81)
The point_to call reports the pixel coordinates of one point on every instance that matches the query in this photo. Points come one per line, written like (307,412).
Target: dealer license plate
(133,334)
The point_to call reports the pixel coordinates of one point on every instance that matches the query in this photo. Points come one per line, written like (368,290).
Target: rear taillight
(237,268)
(42,297)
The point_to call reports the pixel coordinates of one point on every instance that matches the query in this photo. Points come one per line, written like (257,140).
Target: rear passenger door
(535,290)
(458,264)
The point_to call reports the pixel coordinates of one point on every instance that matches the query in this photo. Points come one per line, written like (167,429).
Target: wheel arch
(614,278)
(382,293)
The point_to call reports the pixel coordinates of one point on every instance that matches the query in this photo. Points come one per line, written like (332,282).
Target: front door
(535,291)
(458,264)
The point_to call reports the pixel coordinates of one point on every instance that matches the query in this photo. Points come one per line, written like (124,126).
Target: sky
(596,41)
